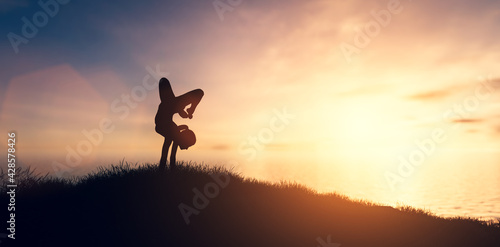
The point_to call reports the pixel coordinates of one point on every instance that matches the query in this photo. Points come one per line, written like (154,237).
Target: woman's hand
(183,127)
(183,114)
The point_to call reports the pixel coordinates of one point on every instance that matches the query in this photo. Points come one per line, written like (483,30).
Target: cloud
(467,120)
(494,82)
(431,95)
(454,89)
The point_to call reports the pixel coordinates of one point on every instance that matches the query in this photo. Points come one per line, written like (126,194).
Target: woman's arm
(172,155)
(192,98)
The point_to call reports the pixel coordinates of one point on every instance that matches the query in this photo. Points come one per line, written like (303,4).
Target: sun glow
(363,125)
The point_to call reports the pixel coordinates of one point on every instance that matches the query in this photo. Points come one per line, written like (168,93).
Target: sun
(363,129)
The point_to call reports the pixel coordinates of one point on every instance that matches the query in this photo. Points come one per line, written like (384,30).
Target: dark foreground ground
(200,206)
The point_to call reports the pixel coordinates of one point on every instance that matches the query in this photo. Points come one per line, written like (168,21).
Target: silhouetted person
(181,136)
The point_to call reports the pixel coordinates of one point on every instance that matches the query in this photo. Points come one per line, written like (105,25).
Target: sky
(322,83)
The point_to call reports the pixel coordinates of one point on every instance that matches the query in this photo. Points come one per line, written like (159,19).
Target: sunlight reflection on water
(457,189)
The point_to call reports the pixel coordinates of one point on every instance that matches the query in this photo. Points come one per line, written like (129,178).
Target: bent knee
(198,92)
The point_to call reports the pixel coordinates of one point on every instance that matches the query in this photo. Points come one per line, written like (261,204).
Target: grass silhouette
(131,205)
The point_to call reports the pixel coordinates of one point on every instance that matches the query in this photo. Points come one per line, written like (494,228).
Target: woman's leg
(166,93)
(164,153)
(191,97)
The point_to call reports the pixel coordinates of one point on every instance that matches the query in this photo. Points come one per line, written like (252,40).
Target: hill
(197,205)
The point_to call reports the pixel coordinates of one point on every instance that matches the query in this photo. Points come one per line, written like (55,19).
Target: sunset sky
(361,81)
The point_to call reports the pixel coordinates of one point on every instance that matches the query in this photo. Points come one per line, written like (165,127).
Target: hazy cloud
(432,95)
(467,120)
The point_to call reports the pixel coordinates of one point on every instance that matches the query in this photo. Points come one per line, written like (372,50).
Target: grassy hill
(200,206)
